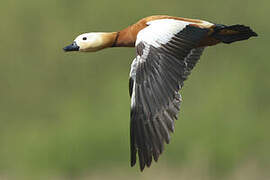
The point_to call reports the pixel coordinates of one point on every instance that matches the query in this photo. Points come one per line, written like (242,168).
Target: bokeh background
(66,115)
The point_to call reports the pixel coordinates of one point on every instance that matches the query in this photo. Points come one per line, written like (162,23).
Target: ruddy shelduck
(167,49)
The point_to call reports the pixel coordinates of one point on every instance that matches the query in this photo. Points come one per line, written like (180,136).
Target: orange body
(127,37)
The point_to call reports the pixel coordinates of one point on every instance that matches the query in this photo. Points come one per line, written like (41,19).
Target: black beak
(72,47)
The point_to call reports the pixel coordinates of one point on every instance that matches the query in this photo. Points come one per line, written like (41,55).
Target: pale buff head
(91,42)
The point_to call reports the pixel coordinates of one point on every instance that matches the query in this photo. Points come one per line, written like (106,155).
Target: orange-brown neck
(127,37)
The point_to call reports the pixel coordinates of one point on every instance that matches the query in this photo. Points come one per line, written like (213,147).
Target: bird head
(89,42)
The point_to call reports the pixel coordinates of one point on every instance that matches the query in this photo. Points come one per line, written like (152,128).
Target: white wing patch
(160,31)
(132,75)
(133,67)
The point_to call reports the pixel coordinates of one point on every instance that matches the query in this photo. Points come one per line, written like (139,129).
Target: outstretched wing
(167,50)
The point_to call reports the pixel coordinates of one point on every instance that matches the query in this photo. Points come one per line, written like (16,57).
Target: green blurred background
(66,115)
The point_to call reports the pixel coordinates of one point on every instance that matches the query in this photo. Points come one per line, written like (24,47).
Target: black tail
(229,34)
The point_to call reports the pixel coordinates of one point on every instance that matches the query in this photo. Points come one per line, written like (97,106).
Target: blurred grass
(68,114)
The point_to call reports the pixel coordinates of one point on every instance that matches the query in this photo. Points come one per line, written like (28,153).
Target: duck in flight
(167,49)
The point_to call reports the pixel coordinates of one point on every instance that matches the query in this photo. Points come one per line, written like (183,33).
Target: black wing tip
(252,33)
(247,29)
(144,161)
(240,32)
(147,163)
(142,168)
(132,163)
(147,155)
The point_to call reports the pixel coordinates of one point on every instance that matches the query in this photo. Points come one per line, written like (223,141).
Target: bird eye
(84,38)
